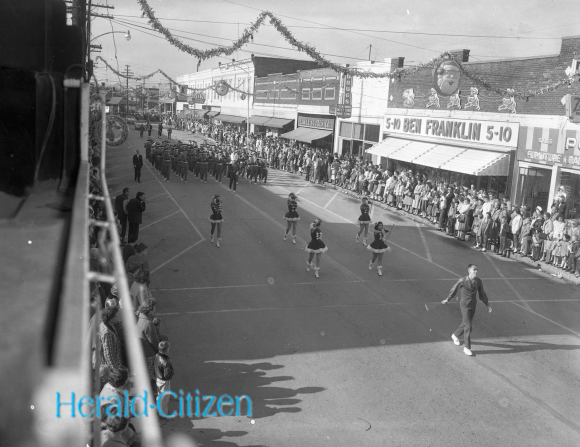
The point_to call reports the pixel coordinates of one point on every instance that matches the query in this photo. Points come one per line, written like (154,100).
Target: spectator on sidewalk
(135,209)
(140,289)
(140,256)
(163,373)
(148,335)
(129,249)
(121,202)
(516,227)
(110,342)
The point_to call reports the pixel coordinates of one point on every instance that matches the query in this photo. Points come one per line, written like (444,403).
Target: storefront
(239,122)
(356,138)
(548,166)
(451,150)
(316,130)
(271,126)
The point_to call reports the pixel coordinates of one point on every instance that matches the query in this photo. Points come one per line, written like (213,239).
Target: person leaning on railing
(148,334)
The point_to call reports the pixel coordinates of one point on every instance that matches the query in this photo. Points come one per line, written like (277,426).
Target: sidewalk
(541,266)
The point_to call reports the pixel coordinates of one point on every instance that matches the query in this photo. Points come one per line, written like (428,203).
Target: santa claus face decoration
(222,88)
(447,77)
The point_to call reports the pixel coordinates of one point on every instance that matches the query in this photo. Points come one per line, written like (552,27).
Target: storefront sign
(344,108)
(197,98)
(447,78)
(496,133)
(549,147)
(317,123)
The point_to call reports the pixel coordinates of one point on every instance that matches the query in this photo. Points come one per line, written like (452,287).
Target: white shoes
(380,270)
(218,243)
(286,234)
(456,341)
(365,241)
(316,270)
(467,351)
(357,238)
(371,265)
(307,266)
(211,240)
(293,239)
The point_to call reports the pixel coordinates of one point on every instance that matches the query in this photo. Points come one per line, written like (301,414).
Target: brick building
(525,149)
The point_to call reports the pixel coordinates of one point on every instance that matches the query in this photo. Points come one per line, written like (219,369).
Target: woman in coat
(462,215)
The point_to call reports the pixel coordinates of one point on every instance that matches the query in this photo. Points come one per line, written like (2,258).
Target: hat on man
(140,247)
(539,208)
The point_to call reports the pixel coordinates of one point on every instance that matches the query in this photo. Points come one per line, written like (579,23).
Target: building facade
(443,124)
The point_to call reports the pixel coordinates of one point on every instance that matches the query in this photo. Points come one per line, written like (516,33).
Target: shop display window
(372,132)
(357,131)
(534,187)
(571,183)
(345,129)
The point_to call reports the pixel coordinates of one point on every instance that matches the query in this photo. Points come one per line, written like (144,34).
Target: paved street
(351,358)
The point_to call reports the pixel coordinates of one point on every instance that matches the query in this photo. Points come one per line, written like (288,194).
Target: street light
(127,35)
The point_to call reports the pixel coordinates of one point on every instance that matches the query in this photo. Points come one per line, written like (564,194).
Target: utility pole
(127,73)
(370,49)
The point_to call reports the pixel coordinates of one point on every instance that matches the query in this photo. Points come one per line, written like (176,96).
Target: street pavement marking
(392,243)
(330,201)
(138,185)
(334,282)
(325,306)
(159,220)
(546,318)
(512,288)
(176,256)
(304,187)
(427,251)
(271,219)
(154,197)
(120,176)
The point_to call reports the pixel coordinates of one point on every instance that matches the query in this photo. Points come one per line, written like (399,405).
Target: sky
(345,31)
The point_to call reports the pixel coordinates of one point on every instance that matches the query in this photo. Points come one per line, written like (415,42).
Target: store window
(571,183)
(372,132)
(357,131)
(274,94)
(329,93)
(533,187)
(316,93)
(306,93)
(361,136)
(345,129)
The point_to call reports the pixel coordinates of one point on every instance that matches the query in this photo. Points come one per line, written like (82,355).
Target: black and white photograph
(167,168)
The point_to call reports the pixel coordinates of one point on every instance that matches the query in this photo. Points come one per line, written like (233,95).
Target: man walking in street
(135,209)
(141,130)
(149,129)
(160,130)
(468,288)
(137,165)
(121,202)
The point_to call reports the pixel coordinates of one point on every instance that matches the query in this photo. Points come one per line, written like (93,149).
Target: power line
(327,27)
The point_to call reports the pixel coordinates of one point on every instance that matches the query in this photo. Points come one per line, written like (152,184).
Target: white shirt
(486,208)
(516,223)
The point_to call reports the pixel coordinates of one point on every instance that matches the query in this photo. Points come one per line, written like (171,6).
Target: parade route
(350,358)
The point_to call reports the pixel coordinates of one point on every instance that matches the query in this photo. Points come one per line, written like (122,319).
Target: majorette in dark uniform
(315,247)
(378,247)
(216,218)
(364,220)
(292,216)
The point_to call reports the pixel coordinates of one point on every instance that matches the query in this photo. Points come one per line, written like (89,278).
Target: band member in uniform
(234,173)
(203,166)
(364,219)
(378,247)
(263,171)
(315,247)
(166,165)
(253,170)
(216,218)
(291,216)
(183,166)
(219,168)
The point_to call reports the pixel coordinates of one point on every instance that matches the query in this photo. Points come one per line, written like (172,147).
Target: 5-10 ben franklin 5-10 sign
(496,133)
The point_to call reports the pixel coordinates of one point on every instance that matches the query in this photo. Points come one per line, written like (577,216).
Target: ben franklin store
(316,130)
(450,150)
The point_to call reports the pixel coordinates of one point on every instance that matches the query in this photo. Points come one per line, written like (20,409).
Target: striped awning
(440,156)
(231,118)
(549,146)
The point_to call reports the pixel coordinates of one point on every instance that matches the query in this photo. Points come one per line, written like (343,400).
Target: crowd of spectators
(114,369)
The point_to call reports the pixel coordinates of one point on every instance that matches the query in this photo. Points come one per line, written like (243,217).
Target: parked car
(130,119)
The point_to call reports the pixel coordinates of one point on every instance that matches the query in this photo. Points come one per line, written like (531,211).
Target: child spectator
(536,245)
(561,254)
(548,247)
(163,373)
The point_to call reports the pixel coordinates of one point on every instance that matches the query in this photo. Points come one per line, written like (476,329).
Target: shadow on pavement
(515,346)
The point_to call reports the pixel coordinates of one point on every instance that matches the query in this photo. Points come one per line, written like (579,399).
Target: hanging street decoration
(508,103)
(116,133)
(447,77)
(473,99)
(433,99)
(222,88)
(455,100)
(409,98)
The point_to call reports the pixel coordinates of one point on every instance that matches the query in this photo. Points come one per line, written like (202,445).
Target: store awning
(212,113)
(259,120)
(277,123)
(197,113)
(440,156)
(231,118)
(388,147)
(306,134)
(476,162)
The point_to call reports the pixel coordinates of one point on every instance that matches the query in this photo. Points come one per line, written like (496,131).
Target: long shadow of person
(515,346)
